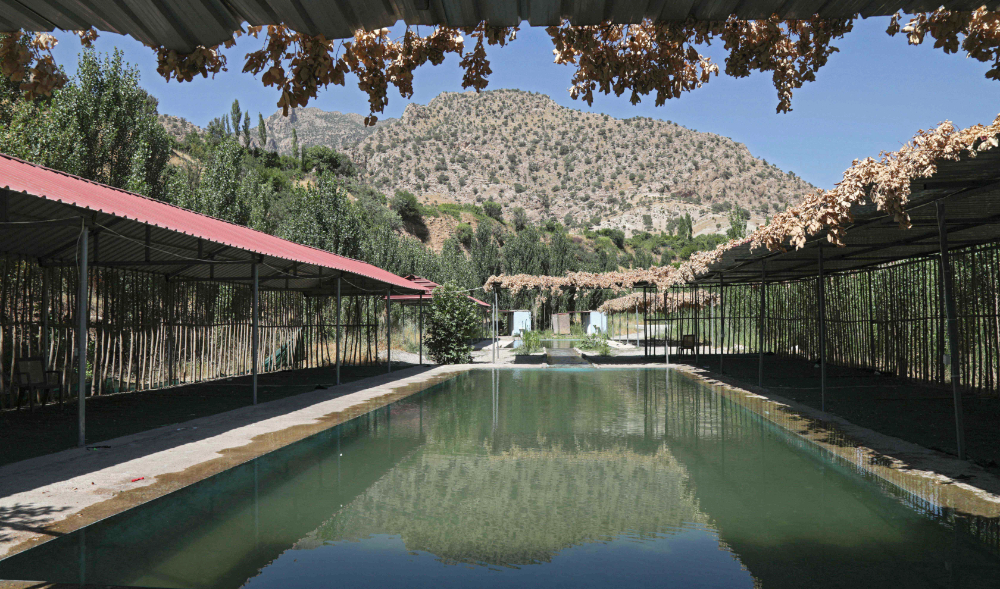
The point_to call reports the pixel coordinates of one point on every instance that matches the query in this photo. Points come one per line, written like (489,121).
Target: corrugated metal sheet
(185,24)
(428,286)
(134,231)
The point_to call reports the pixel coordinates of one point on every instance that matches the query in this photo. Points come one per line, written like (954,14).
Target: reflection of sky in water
(536,478)
(687,558)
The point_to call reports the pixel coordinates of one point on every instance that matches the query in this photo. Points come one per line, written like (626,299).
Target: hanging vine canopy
(662,277)
(669,302)
(645,58)
(884,182)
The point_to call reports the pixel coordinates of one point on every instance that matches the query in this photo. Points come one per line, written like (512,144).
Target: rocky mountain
(523,149)
(313,126)
(178,127)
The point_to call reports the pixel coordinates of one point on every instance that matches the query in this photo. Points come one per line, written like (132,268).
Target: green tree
(519,218)
(738,217)
(493,210)
(236,117)
(321,159)
(685,227)
(246,130)
(295,144)
(262,131)
(452,321)
(102,126)
(463,233)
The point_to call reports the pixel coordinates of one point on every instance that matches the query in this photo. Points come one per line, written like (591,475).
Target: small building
(591,321)
(518,321)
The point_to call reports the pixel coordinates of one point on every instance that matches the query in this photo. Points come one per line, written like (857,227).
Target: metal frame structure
(183,26)
(63,220)
(968,189)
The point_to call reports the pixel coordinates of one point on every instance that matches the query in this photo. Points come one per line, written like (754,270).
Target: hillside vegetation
(522,149)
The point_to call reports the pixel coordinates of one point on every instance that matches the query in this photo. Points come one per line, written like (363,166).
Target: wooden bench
(31,377)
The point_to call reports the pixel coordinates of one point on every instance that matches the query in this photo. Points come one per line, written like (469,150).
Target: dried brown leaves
(30,62)
(649,57)
(884,182)
(669,302)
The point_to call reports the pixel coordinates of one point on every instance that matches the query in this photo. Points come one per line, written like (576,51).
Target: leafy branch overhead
(660,58)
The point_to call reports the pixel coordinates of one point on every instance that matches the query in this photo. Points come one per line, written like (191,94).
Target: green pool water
(535,478)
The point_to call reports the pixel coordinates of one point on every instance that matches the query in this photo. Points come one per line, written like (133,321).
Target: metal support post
(82,314)
(338,329)
(949,305)
(637,325)
(388,330)
(722,320)
(697,328)
(760,325)
(420,323)
(645,323)
(496,327)
(821,308)
(171,373)
(666,342)
(255,330)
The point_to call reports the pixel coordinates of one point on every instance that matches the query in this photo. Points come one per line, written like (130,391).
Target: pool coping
(48,496)
(931,478)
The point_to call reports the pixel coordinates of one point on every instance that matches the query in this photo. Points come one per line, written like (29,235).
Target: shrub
(452,321)
(597,342)
(531,342)
(493,210)
(464,234)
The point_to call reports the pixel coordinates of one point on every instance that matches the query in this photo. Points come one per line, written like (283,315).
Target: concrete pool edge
(916,470)
(938,479)
(78,487)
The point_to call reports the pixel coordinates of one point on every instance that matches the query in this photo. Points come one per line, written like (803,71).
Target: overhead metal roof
(185,24)
(42,212)
(969,189)
(428,294)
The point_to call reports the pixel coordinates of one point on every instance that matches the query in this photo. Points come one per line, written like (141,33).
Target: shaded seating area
(897,315)
(105,292)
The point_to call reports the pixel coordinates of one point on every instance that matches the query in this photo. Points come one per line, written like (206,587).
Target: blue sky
(872,96)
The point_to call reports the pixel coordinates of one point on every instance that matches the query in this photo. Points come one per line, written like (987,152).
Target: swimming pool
(537,478)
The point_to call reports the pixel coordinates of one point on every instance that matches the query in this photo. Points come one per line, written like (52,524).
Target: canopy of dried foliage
(644,58)
(884,182)
(656,302)
(618,281)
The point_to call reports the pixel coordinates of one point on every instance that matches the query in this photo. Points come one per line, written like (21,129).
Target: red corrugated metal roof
(428,286)
(46,183)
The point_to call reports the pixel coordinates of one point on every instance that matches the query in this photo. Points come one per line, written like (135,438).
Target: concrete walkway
(47,496)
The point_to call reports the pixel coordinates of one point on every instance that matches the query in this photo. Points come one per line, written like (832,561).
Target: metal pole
(496,315)
(722,319)
(82,312)
(388,330)
(666,342)
(420,321)
(255,331)
(338,329)
(170,334)
(821,304)
(697,328)
(45,323)
(760,326)
(949,305)
(645,323)
(637,324)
